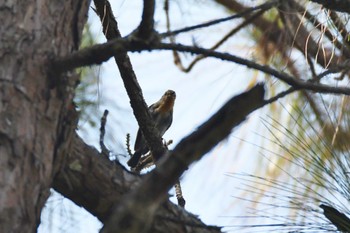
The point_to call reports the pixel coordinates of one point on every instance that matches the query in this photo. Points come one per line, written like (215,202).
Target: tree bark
(98,184)
(36,123)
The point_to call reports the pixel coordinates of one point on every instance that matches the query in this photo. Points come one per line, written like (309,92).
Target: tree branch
(338,219)
(199,57)
(337,5)
(146,27)
(280,95)
(263,7)
(112,48)
(136,210)
(119,46)
(133,89)
(95,183)
(296,83)
(277,35)
(94,55)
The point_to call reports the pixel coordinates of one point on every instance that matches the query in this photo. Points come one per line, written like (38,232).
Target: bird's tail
(134,160)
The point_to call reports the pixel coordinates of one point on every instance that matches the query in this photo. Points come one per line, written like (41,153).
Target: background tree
(41,150)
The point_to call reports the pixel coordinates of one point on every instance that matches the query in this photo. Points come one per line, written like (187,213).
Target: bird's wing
(170,120)
(152,109)
(140,141)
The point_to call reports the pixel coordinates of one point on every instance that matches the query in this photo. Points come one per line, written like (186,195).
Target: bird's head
(167,101)
(170,94)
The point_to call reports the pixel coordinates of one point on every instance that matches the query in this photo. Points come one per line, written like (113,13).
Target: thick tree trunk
(35,121)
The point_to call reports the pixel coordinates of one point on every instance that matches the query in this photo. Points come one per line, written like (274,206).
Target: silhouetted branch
(296,83)
(340,220)
(146,27)
(280,95)
(110,48)
(104,150)
(264,6)
(94,55)
(217,45)
(97,184)
(337,5)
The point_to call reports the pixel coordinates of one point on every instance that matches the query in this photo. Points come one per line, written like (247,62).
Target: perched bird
(162,115)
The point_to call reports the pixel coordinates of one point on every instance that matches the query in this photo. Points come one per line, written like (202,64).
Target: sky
(207,188)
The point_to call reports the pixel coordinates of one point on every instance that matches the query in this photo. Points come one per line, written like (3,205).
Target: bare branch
(337,5)
(97,184)
(338,219)
(280,95)
(111,48)
(218,44)
(341,28)
(104,151)
(146,27)
(264,7)
(296,83)
(318,25)
(94,55)
(277,35)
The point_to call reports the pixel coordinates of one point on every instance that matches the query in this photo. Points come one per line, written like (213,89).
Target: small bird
(162,115)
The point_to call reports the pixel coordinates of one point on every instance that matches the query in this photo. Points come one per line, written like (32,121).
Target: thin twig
(128,144)
(263,6)
(104,151)
(218,44)
(296,83)
(280,95)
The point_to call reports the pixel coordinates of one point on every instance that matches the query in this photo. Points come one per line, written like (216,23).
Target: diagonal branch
(337,5)
(96,183)
(137,208)
(247,21)
(296,83)
(338,219)
(133,89)
(293,35)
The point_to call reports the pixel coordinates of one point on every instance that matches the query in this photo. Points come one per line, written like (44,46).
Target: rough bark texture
(97,184)
(35,121)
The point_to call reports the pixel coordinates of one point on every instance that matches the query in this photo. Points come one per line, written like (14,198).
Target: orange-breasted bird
(162,115)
